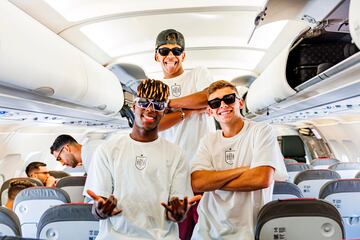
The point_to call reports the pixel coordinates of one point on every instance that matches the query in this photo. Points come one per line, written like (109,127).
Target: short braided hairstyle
(153,89)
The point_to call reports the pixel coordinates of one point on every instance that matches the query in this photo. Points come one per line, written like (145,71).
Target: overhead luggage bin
(319,66)
(53,67)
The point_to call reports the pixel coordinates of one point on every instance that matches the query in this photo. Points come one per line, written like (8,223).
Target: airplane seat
(294,168)
(289,160)
(58,174)
(293,147)
(323,163)
(31,203)
(311,181)
(346,169)
(285,190)
(6,185)
(74,186)
(299,219)
(60,221)
(344,194)
(9,223)
(15,238)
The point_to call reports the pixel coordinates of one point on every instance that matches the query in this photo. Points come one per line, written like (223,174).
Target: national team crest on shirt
(229,156)
(176,90)
(140,162)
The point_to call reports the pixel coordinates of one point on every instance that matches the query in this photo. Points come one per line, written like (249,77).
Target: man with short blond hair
(235,168)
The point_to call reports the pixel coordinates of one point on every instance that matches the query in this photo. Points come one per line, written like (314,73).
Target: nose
(223,104)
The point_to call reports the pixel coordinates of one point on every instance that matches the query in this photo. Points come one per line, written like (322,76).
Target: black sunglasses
(228,99)
(144,103)
(165,51)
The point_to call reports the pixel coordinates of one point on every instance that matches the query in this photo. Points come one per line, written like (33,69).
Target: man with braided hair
(140,182)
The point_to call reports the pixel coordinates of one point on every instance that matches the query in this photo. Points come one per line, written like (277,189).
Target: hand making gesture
(176,208)
(104,207)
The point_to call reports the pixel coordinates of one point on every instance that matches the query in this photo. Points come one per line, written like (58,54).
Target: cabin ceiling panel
(126,36)
(85,9)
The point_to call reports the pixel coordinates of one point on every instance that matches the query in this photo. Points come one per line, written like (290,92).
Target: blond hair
(220,85)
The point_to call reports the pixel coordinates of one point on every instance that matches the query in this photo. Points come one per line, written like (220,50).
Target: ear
(183,56)
(208,111)
(241,103)
(156,56)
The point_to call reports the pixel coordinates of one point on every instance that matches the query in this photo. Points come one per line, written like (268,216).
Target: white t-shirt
(141,176)
(87,152)
(187,134)
(227,214)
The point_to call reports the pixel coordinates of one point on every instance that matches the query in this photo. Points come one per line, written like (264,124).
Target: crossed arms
(242,179)
(196,102)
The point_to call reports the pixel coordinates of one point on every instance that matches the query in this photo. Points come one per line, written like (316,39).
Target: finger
(116,211)
(109,205)
(93,195)
(185,203)
(167,207)
(194,199)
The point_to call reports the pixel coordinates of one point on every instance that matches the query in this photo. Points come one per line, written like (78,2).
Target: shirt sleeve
(181,183)
(203,79)
(99,178)
(202,159)
(267,152)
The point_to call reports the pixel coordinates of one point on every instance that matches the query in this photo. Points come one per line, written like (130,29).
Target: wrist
(182,114)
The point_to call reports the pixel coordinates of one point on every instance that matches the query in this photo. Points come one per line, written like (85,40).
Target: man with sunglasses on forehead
(235,168)
(141,182)
(188,123)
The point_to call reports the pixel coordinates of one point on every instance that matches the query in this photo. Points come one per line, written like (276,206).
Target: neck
(232,128)
(141,135)
(172,75)
(9,204)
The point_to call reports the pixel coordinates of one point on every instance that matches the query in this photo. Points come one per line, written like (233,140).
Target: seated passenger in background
(15,187)
(70,153)
(141,181)
(39,170)
(235,167)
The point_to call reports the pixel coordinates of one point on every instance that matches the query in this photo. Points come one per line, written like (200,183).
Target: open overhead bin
(321,65)
(35,59)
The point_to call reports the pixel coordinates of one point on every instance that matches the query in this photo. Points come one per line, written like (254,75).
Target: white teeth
(150,118)
(224,112)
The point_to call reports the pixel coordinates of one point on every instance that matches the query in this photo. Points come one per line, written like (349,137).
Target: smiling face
(171,64)
(226,113)
(147,119)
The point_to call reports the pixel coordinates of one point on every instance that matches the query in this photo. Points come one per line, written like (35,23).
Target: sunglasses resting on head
(228,99)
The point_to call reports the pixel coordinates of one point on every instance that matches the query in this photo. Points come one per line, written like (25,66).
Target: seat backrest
(6,185)
(289,160)
(294,168)
(58,174)
(74,186)
(344,194)
(31,203)
(9,223)
(299,219)
(60,221)
(293,147)
(285,190)
(323,163)
(346,169)
(311,181)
